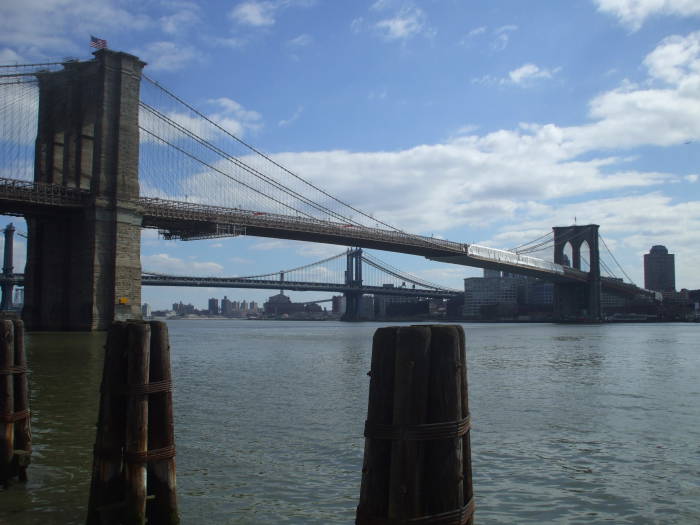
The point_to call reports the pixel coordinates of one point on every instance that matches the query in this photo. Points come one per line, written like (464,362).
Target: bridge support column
(353,279)
(578,301)
(83,269)
(7,268)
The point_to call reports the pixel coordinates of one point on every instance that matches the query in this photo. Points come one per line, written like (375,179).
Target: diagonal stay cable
(530,242)
(404,276)
(245,166)
(193,157)
(266,157)
(615,260)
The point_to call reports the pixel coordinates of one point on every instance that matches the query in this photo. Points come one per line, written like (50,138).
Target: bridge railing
(201,212)
(41,192)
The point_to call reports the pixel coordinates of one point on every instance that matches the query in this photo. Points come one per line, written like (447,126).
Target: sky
(478,121)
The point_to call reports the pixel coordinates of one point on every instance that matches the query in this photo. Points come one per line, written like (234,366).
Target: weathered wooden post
(133,477)
(15,437)
(138,359)
(161,436)
(107,487)
(23,431)
(7,400)
(417,464)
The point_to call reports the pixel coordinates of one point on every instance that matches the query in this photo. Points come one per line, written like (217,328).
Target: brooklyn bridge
(94,151)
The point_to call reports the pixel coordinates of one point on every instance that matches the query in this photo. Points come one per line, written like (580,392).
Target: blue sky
(479,121)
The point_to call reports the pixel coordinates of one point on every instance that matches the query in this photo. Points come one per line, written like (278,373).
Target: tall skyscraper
(659,270)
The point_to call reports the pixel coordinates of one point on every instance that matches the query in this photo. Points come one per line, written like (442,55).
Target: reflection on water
(572,424)
(64,375)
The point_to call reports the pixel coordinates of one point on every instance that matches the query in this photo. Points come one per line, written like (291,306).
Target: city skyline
(487,123)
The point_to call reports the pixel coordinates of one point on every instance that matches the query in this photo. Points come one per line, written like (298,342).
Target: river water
(572,424)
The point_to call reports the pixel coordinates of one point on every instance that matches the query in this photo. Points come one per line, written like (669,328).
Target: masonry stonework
(83,269)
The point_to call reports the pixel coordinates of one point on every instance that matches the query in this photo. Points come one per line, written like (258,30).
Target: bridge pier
(83,268)
(7,268)
(353,279)
(578,301)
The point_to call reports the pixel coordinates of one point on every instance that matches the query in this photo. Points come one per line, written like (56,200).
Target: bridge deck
(27,198)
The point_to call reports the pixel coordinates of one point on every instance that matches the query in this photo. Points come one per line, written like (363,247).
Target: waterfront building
(490,297)
(338,303)
(659,270)
(280,304)
(146,310)
(213,306)
(226,306)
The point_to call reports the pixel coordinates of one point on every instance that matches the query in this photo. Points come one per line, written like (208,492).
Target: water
(572,424)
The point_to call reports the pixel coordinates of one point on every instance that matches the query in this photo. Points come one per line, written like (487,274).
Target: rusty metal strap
(150,388)
(14,416)
(150,455)
(460,516)
(138,389)
(428,431)
(13,370)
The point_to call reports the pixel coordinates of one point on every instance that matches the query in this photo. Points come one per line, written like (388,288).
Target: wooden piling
(23,431)
(134,446)
(161,438)
(107,487)
(7,400)
(417,463)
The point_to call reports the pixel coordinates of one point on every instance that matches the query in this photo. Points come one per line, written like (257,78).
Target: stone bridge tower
(83,268)
(353,279)
(578,300)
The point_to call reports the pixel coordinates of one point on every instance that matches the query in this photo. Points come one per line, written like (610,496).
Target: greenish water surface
(572,424)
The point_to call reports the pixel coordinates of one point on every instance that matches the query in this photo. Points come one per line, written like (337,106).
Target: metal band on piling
(150,455)
(15,416)
(459,516)
(426,432)
(13,370)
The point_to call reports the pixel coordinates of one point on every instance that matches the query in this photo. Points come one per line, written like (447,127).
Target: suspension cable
(268,158)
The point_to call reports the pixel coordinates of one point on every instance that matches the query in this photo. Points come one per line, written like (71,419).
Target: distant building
(482,295)
(659,270)
(280,304)
(226,306)
(338,305)
(146,310)
(213,306)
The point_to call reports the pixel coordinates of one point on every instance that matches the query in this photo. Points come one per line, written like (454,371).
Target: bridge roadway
(150,279)
(299,286)
(186,219)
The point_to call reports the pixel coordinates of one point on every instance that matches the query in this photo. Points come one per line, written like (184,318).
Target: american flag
(97,43)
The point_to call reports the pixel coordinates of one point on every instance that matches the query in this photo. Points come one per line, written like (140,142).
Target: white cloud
(408,22)
(261,13)
(286,122)
(692,178)
(528,72)
(524,76)
(164,263)
(256,14)
(226,112)
(676,60)
(302,40)
(8,56)
(168,56)
(633,13)
(181,20)
(38,28)
(502,37)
